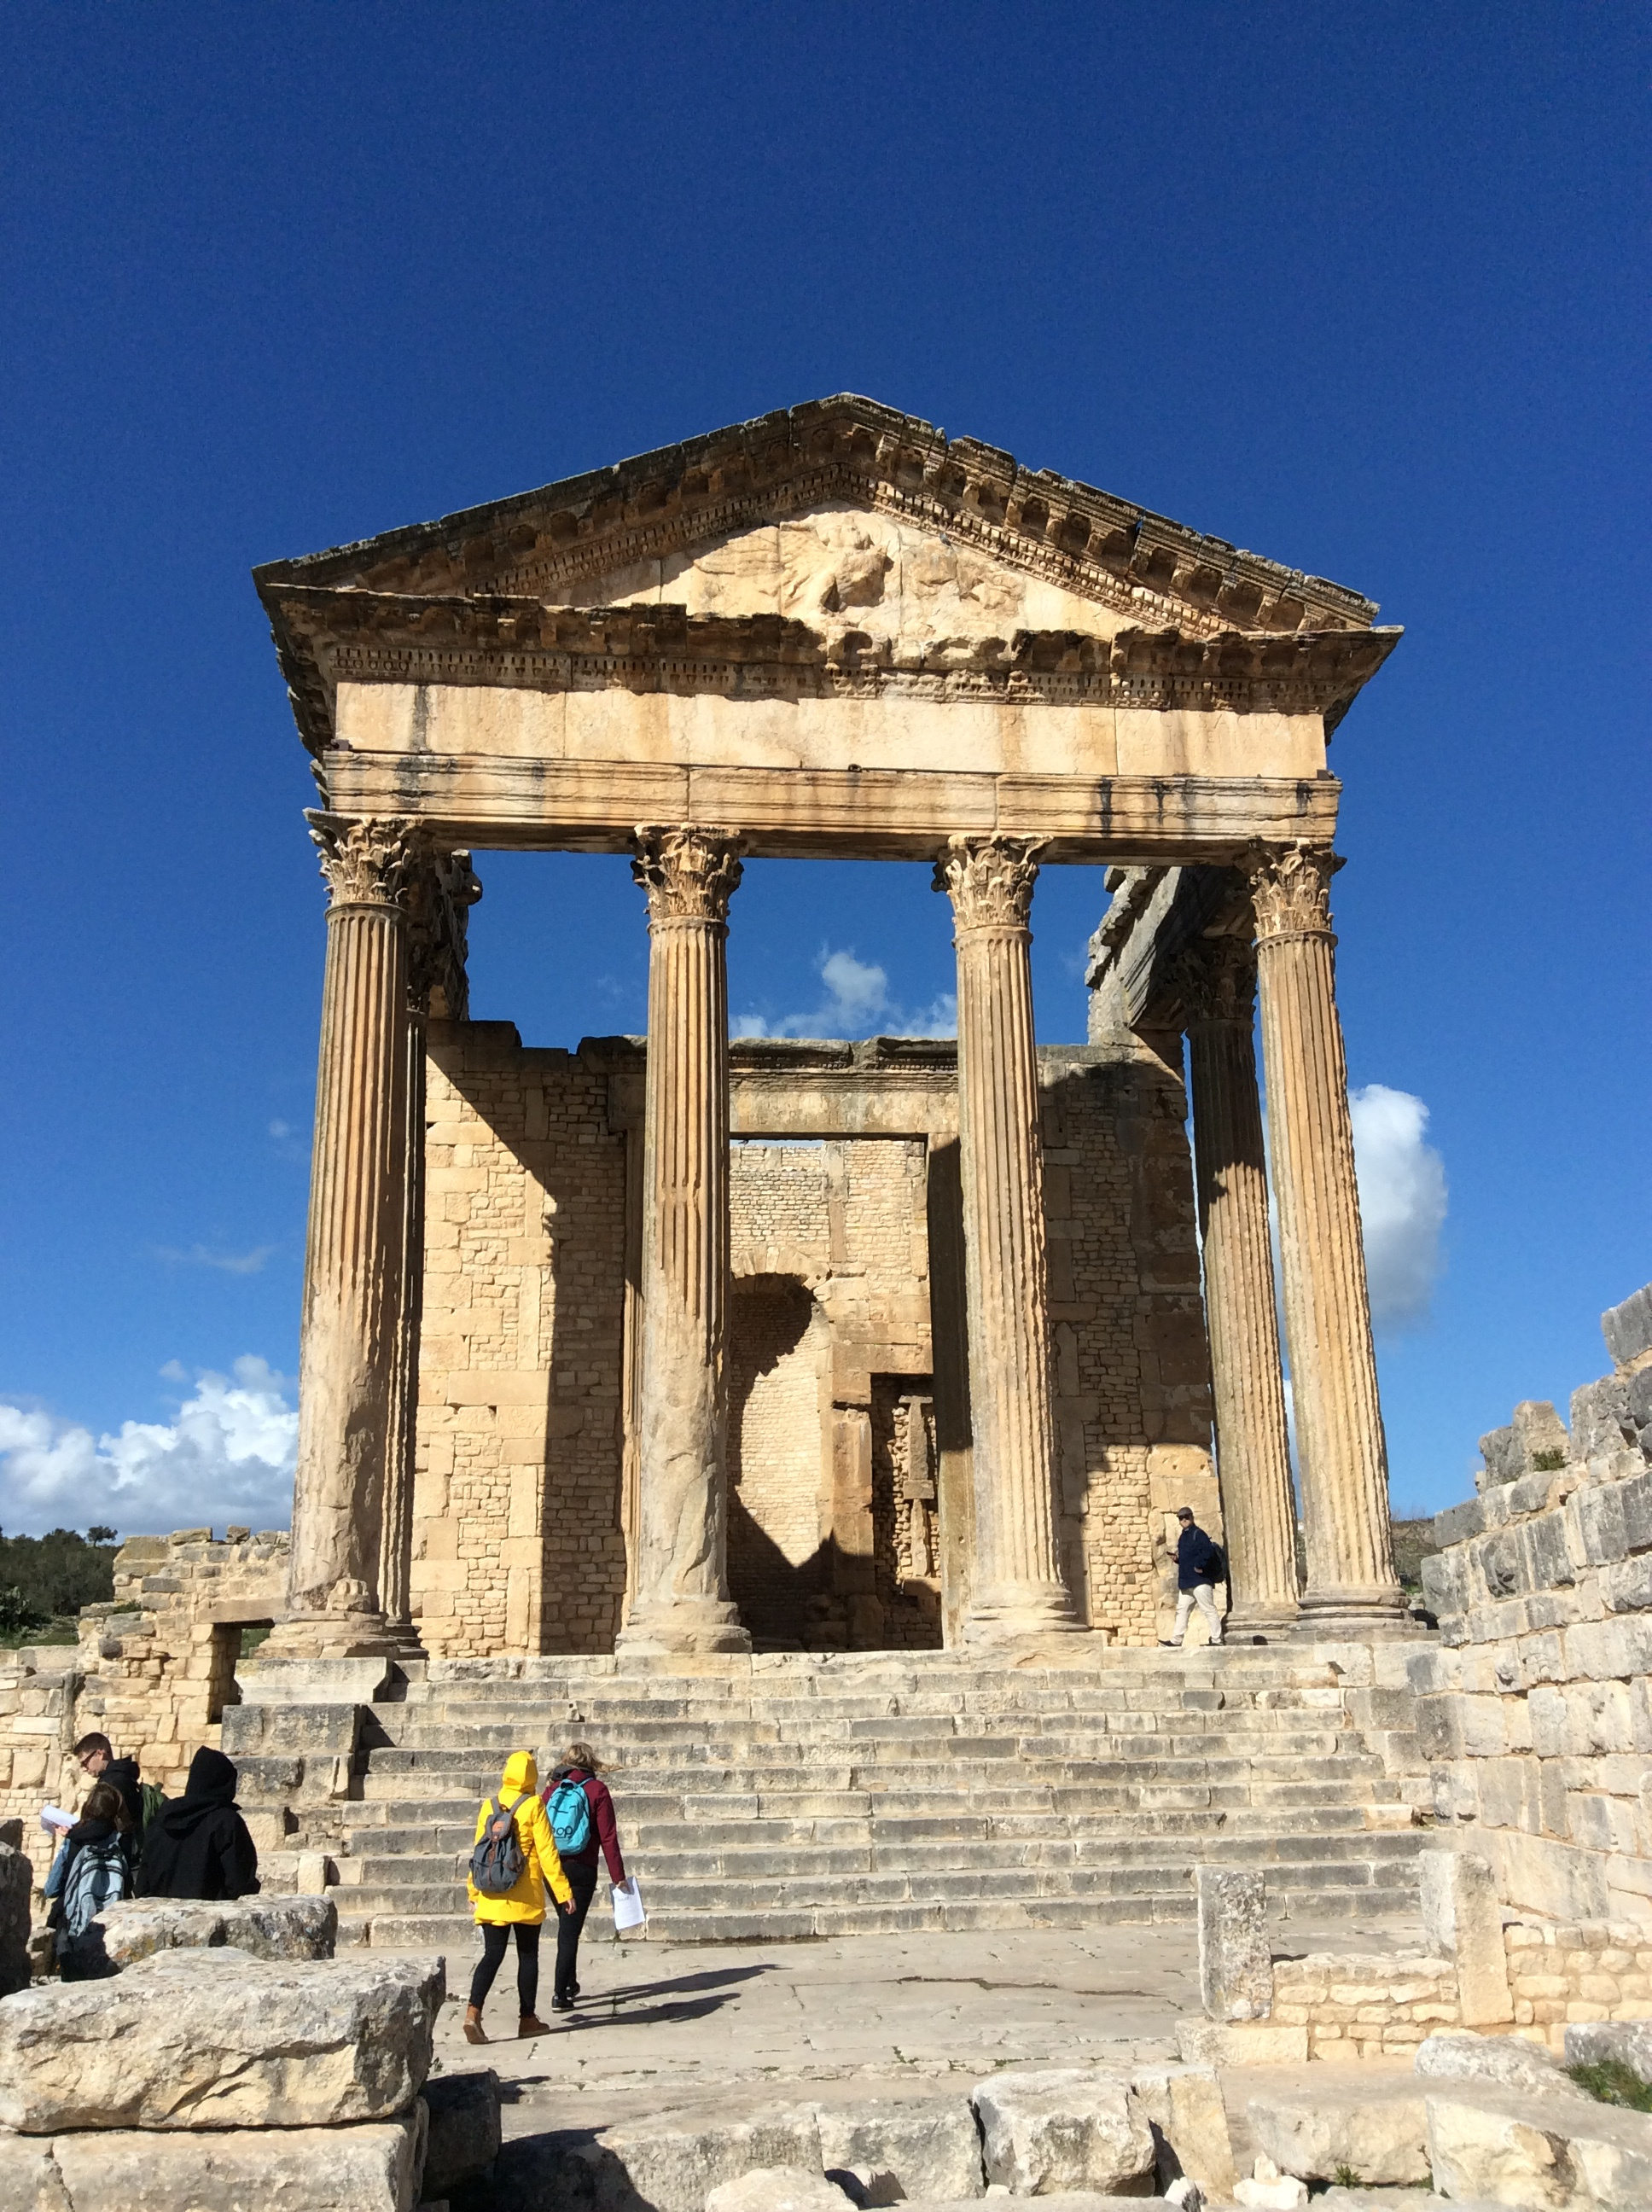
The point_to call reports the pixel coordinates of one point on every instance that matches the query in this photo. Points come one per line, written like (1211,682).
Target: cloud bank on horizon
(227,1457)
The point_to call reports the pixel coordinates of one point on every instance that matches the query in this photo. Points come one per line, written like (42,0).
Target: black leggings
(496,1941)
(582,1881)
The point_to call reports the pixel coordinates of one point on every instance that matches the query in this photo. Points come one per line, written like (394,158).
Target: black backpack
(497,1862)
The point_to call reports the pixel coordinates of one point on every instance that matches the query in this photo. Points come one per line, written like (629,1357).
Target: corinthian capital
(366,863)
(1291,889)
(689,874)
(442,889)
(989,880)
(1216,980)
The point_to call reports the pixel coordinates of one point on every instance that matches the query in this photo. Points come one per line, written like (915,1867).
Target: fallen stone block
(1068,2127)
(1462,1921)
(1239,2043)
(778,2189)
(370,2167)
(216,2039)
(1506,2061)
(17,1879)
(1546,2153)
(1235,1971)
(464,2131)
(1267,2190)
(1058,2200)
(1367,2122)
(264,1928)
(1183,2106)
(891,2148)
(671,2161)
(1590,2042)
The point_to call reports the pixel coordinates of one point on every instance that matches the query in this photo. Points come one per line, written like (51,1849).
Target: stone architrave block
(264,1928)
(1462,1921)
(1538,2152)
(1508,2061)
(1376,2127)
(671,2161)
(1069,2127)
(1184,2105)
(370,2167)
(779,2189)
(17,1879)
(216,2039)
(1235,1969)
(1628,2041)
(895,2148)
(1628,1328)
(465,2130)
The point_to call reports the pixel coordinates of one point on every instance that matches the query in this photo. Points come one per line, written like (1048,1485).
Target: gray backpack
(497,1862)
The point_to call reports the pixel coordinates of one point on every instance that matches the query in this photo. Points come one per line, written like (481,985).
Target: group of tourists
(131,1841)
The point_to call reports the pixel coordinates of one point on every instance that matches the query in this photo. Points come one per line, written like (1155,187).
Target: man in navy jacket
(1199,1568)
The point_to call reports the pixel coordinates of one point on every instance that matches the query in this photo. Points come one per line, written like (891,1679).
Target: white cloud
(228,1263)
(1402,1202)
(227,1457)
(857,1004)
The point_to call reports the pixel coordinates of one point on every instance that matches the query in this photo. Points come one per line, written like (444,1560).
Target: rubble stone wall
(1535,1709)
(1561,1972)
(1358,2006)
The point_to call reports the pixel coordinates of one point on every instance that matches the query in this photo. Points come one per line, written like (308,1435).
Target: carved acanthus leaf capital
(366,862)
(1291,889)
(1215,981)
(689,874)
(989,880)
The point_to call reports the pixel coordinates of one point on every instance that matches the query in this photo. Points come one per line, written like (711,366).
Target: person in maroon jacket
(579,1776)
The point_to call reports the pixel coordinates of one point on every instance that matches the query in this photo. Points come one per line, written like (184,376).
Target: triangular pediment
(843,513)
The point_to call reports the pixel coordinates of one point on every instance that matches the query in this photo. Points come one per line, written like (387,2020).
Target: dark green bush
(1611,2082)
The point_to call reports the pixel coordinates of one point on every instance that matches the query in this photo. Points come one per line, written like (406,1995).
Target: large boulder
(16,1880)
(264,1928)
(217,2039)
(464,2131)
(372,2167)
(778,2189)
(1068,2127)
(1508,2062)
(1184,2107)
(672,2162)
(888,2149)
(1538,2152)
(1367,2122)
(1590,2042)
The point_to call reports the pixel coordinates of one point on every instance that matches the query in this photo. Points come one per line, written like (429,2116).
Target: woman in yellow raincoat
(523,1906)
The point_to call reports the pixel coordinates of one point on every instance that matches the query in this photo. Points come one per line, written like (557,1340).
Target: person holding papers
(581,1815)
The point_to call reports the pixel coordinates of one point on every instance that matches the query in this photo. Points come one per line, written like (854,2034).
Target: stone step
(1084,1757)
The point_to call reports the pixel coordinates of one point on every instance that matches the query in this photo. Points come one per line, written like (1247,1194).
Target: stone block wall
(1560,1971)
(154,1670)
(1535,1710)
(1365,2005)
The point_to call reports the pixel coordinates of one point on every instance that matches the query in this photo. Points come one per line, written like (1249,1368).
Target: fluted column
(1017,1588)
(680,1601)
(1341,1455)
(1218,989)
(441,892)
(354,1257)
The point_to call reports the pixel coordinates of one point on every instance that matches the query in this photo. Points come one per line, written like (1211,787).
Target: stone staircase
(794,1795)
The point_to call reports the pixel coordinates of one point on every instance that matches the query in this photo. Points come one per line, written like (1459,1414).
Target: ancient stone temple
(662,1345)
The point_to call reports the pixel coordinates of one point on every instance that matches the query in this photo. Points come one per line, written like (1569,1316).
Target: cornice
(326,636)
(846,448)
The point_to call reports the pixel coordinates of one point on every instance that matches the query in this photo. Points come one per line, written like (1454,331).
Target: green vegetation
(1548,1463)
(1609,2081)
(45,1580)
(1345,2178)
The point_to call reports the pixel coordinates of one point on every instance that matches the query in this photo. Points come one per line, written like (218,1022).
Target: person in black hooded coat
(198,1845)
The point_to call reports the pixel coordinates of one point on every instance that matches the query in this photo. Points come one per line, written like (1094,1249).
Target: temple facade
(666,1345)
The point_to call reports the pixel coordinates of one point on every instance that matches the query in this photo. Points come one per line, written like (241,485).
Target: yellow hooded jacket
(541,1867)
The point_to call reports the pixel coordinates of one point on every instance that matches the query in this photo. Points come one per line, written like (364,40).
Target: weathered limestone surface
(1063,2129)
(264,1927)
(1184,2107)
(1235,1972)
(1629,2042)
(464,2138)
(214,2038)
(894,2149)
(372,2166)
(779,2188)
(681,1600)
(1507,2060)
(1340,1449)
(1018,1587)
(1462,1921)
(1538,2152)
(1367,2121)
(672,2162)
(1355,2005)
(1241,2043)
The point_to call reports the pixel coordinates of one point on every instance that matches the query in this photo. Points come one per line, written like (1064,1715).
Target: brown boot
(530,2024)
(473,2028)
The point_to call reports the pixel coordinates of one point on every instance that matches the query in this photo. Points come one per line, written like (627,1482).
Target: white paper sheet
(629,1911)
(53,1816)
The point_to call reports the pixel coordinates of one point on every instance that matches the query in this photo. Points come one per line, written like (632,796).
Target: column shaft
(680,1601)
(354,1256)
(1017,1586)
(1340,1451)
(1230,1168)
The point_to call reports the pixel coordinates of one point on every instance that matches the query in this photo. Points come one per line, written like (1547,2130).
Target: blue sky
(1361,290)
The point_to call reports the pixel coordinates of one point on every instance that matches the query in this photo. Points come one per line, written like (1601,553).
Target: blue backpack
(570,1818)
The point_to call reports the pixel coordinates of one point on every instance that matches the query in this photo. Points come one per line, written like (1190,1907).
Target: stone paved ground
(661,2025)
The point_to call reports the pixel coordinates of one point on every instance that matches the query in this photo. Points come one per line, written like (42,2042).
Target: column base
(1273,1621)
(1018,1613)
(332,1636)
(690,1627)
(1382,1609)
